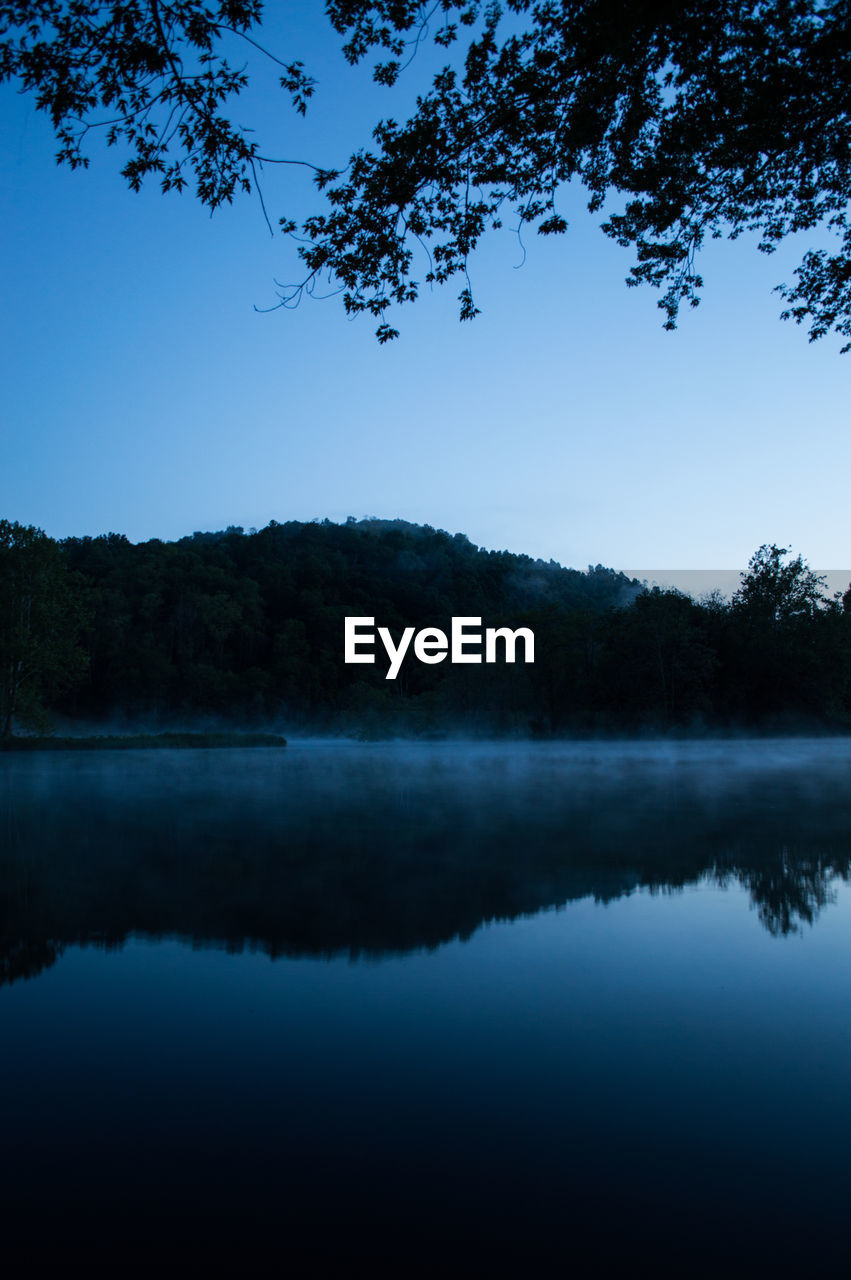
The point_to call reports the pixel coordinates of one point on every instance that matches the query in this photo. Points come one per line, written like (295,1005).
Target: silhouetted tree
(682,121)
(657,664)
(775,591)
(40,618)
(778,622)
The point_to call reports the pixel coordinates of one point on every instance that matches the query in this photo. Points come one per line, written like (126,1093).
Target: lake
(483,1006)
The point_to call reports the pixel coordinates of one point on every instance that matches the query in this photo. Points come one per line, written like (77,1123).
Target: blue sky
(142,393)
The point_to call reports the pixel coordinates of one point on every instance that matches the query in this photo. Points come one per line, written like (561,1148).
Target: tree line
(247,628)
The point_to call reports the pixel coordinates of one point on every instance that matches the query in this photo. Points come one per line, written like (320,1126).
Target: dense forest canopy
(682,120)
(247,628)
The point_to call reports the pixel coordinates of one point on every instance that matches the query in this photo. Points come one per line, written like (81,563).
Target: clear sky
(142,393)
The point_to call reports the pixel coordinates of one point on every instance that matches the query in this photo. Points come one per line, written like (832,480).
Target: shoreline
(142,741)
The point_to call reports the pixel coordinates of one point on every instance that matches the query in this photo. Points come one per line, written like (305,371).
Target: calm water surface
(431,1005)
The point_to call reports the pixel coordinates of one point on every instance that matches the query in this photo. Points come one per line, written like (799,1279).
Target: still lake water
(431,1005)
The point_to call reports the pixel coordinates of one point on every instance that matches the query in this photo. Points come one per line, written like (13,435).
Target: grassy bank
(140,741)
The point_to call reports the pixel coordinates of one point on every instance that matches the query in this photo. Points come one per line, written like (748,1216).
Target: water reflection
(371,850)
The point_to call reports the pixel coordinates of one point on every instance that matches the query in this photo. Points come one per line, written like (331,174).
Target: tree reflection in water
(379,850)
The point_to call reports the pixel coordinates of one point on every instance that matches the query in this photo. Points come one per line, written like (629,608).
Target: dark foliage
(41,616)
(226,628)
(681,121)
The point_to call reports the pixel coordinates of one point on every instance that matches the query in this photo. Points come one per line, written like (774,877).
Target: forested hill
(248,629)
(251,625)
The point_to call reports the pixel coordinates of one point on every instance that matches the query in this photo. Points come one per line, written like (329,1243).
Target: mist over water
(329,848)
(430,1001)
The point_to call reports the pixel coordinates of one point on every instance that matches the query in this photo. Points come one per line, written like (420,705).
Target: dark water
(432,1007)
